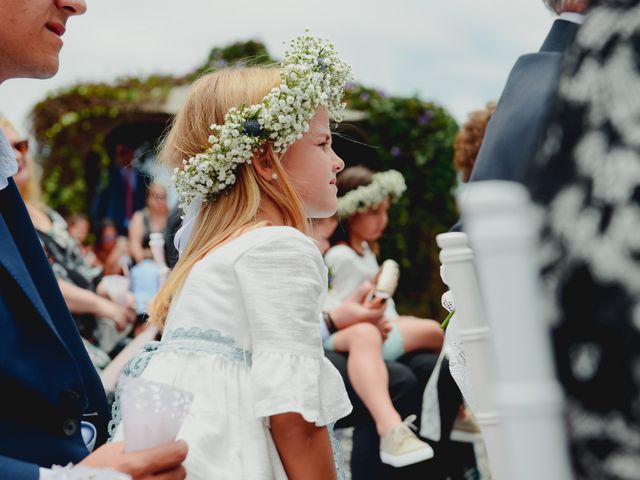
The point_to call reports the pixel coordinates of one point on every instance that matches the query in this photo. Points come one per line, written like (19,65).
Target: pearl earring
(274,176)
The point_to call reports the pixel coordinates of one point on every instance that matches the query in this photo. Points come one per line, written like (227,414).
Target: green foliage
(416,138)
(251,52)
(71,124)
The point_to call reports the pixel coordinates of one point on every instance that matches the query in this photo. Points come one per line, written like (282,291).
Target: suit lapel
(11,257)
(11,260)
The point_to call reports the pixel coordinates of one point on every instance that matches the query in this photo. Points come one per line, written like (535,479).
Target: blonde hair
(4,122)
(237,207)
(30,191)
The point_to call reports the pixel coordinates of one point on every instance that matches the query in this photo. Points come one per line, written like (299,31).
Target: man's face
(31,35)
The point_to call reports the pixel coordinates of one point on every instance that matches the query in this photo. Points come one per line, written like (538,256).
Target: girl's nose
(338,163)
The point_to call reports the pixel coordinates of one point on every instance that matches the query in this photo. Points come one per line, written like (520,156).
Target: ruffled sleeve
(283,283)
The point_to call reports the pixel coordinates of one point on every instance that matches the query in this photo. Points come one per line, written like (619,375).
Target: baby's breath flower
(389,184)
(313,75)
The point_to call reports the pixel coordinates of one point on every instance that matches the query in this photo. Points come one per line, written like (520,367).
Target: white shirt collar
(572,17)
(8,163)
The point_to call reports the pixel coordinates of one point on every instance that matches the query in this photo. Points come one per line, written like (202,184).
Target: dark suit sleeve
(514,131)
(18,470)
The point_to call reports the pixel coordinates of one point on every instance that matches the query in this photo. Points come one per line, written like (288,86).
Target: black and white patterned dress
(587,178)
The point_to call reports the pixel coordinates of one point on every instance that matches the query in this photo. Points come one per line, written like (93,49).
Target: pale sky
(455,52)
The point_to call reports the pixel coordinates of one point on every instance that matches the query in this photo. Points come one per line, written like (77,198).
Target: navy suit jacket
(513,133)
(110,202)
(47,381)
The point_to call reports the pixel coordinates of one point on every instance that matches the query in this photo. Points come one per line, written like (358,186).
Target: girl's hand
(385,327)
(355,310)
(163,462)
(122,316)
(376,303)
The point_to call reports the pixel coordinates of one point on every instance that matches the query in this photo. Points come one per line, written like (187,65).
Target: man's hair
(559,6)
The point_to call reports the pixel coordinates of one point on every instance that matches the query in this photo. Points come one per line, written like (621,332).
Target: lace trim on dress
(193,339)
(207,341)
(338,458)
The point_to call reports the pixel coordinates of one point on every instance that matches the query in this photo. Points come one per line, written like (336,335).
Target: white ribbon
(181,239)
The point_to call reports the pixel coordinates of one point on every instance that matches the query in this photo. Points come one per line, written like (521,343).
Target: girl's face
(157,199)
(79,230)
(109,237)
(20,149)
(370,225)
(312,166)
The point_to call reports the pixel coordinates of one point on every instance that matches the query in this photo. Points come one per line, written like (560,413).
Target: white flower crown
(312,74)
(389,184)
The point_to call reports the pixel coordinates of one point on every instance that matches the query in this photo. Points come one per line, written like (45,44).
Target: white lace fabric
(454,346)
(457,360)
(453,350)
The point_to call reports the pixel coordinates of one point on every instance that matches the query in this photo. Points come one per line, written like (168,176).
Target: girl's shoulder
(339,253)
(278,237)
(266,242)
(279,240)
(278,252)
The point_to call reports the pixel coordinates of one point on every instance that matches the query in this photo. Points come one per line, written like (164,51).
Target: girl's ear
(264,166)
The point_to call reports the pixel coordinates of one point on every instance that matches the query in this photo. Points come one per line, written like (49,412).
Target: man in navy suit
(51,400)
(514,131)
(126,192)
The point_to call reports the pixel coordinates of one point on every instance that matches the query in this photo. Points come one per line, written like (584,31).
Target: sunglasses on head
(21,146)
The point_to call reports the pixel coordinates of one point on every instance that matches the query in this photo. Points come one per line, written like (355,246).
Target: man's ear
(264,166)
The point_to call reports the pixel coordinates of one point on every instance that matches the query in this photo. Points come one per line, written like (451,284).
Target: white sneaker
(465,429)
(402,447)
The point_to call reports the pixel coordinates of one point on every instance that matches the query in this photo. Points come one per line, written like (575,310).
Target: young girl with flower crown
(362,206)
(360,328)
(241,310)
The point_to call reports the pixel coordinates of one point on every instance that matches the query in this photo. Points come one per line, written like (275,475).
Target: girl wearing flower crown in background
(359,327)
(363,204)
(364,200)
(241,310)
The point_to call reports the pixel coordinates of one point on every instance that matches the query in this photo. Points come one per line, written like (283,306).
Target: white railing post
(503,233)
(475,333)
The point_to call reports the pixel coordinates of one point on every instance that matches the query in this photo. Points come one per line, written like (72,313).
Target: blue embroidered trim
(210,341)
(206,341)
(338,458)
(193,339)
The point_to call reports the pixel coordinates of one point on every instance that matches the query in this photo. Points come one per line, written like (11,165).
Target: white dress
(243,335)
(347,271)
